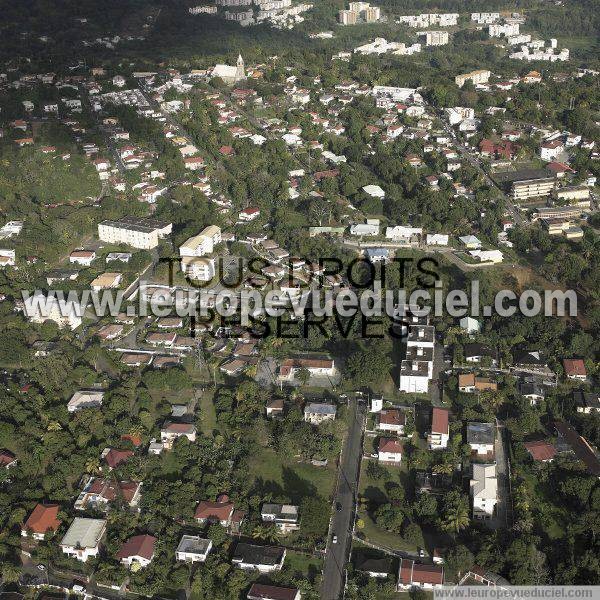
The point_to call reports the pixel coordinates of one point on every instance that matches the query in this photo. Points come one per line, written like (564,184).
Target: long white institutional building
(137,232)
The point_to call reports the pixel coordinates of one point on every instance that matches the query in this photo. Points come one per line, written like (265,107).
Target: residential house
(532,391)
(416,575)
(265,559)
(85,399)
(469,383)
(83,538)
(481,438)
(477,353)
(316,367)
(275,408)
(575,369)
(222,511)
(540,451)
(261,591)
(317,412)
(284,516)
(99,492)
(484,490)
(378,568)
(440,429)
(389,451)
(137,552)
(171,431)
(586,402)
(193,548)
(392,420)
(42,520)
(7,459)
(113,457)
(82,257)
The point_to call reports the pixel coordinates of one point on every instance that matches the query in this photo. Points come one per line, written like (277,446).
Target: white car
(334,539)
(41,567)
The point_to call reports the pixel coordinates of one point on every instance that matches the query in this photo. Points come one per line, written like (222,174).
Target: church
(230,74)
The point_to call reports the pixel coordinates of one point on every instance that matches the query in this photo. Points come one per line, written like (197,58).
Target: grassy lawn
(374,490)
(305,565)
(171,396)
(284,475)
(381,537)
(208,415)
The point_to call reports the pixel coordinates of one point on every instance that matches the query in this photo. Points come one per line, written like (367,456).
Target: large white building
(484,490)
(194,252)
(83,537)
(228,73)
(137,232)
(416,370)
(477,77)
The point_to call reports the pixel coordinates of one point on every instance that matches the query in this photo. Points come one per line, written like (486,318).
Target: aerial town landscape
(297,299)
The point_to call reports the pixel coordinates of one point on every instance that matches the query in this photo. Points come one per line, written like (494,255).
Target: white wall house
(193,548)
(484,490)
(83,537)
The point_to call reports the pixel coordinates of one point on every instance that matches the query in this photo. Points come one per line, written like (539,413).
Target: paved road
(337,555)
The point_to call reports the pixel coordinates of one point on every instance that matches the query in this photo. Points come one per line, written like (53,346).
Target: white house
(437,239)
(416,575)
(7,258)
(82,257)
(481,438)
(83,537)
(402,233)
(392,420)
(484,490)
(284,516)
(440,429)
(374,191)
(137,552)
(265,559)
(389,451)
(85,399)
(193,548)
(171,431)
(360,229)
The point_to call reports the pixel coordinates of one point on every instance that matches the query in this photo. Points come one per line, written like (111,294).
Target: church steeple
(240,71)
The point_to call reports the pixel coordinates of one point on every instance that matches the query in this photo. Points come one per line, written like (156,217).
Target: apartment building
(477,77)
(138,232)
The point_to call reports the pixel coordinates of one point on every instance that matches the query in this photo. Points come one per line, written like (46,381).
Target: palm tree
(11,573)
(267,533)
(54,426)
(92,465)
(456,517)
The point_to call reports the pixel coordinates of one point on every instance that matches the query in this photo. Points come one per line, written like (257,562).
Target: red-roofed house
(392,420)
(575,368)
(138,550)
(249,214)
(42,520)
(7,459)
(412,574)
(551,150)
(220,511)
(440,429)
(260,591)
(559,169)
(540,450)
(390,451)
(114,457)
